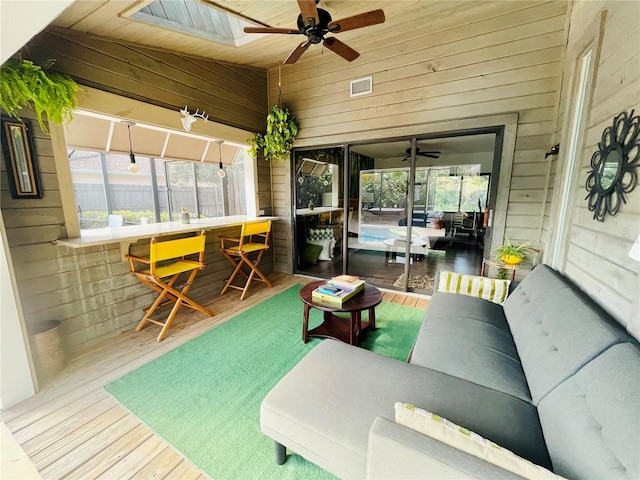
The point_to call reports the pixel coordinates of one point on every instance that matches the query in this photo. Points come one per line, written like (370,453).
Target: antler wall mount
(315,23)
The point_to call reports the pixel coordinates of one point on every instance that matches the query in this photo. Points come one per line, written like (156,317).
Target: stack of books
(338,290)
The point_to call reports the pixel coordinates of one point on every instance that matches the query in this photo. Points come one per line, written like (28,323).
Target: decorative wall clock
(613,166)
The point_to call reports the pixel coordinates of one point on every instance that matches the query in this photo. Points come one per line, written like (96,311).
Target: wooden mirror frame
(613,166)
(20,160)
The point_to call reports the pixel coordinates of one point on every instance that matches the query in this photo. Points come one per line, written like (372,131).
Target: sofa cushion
(555,329)
(591,421)
(469,338)
(324,407)
(469,442)
(490,289)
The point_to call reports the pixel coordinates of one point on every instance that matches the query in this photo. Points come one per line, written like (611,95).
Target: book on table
(336,294)
(347,282)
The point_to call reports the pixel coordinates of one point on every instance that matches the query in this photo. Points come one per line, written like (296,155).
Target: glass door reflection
(319,211)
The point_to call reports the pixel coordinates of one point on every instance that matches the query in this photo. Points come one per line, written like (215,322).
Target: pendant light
(221,172)
(133,167)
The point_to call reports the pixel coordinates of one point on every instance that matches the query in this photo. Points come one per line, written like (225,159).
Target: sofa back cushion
(556,329)
(469,338)
(591,421)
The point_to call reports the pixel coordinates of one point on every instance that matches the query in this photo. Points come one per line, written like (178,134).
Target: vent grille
(361,86)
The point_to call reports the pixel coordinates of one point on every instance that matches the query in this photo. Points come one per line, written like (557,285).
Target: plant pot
(511,259)
(46,348)
(184,218)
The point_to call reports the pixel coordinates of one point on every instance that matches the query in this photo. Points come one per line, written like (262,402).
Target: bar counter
(127,235)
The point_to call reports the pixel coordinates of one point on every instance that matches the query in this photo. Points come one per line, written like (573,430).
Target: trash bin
(46,348)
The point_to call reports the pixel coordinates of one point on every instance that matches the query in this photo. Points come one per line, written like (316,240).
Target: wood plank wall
(89,289)
(230,94)
(491,58)
(596,252)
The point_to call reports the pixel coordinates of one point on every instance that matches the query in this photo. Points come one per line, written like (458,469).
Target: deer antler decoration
(189,118)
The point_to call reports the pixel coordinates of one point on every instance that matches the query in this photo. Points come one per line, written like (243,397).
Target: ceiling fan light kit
(315,23)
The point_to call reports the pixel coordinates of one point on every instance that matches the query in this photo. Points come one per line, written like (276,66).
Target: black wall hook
(554,150)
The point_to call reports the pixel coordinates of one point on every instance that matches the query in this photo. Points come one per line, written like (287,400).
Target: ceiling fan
(315,23)
(432,154)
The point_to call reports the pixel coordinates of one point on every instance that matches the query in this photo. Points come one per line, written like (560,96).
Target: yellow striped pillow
(491,289)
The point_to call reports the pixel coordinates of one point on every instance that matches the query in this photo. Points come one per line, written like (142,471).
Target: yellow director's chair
(254,237)
(167,261)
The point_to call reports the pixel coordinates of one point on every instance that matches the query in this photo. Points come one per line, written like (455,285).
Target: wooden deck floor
(73,429)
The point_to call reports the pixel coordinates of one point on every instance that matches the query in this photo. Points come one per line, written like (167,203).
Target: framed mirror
(613,166)
(19,157)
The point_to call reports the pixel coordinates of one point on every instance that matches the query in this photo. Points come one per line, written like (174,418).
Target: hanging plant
(22,84)
(277,142)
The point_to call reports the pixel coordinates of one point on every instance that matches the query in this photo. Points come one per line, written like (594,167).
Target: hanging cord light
(133,167)
(221,172)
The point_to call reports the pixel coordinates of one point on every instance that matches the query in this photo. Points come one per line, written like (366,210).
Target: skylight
(194,18)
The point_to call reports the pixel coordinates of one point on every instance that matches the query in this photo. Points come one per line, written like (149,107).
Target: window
(103,185)
(582,81)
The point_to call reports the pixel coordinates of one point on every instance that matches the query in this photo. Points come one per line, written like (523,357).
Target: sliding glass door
(392,212)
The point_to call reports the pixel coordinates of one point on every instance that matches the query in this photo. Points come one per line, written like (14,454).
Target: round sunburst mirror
(613,166)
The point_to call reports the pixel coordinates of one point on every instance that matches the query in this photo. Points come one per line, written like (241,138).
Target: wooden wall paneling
(596,252)
(439,38)
(119,72)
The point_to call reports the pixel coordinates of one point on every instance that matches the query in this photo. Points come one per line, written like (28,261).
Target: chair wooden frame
(254,237)
(167,261)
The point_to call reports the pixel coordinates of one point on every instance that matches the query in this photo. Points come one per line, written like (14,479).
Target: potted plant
(23,84)
(277,141)
(184,216)
(512,254)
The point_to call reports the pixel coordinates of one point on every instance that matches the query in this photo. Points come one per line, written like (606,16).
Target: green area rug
(204,396)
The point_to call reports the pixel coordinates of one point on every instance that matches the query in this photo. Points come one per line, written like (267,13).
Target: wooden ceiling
(108,18)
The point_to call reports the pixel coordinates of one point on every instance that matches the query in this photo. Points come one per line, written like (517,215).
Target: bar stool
(254,237)
(172,256)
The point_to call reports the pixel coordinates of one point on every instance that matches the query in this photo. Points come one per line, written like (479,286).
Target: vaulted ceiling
(113,19)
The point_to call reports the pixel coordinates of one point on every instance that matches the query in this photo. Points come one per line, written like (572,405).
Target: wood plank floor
(73,429)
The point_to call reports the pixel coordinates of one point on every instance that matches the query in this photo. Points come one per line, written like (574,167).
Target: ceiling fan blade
(342,49)
(309,10)
(297,53)
(270,30)
(357,21)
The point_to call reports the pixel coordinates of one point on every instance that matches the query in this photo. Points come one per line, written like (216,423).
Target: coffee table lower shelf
(343,329)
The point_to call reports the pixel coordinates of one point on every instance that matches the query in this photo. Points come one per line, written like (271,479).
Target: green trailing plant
(502,273)
(509,253)
(25,84)
(276,143)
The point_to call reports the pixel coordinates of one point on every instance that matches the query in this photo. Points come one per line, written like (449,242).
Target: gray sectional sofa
(547,375)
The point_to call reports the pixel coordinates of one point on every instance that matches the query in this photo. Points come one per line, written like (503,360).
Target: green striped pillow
(491,289)
(470,442)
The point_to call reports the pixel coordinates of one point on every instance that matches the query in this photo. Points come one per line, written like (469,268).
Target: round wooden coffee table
(347,330)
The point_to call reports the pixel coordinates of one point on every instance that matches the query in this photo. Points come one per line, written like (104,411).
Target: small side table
(347,330)
(493,263)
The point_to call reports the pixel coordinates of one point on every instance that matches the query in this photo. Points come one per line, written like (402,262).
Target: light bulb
(222,173)
(134,169)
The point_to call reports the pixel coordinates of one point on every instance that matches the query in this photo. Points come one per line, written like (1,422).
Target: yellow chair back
(159,251)
(255,228)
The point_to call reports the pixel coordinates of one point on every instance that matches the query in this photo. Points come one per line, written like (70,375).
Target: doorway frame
(504,126)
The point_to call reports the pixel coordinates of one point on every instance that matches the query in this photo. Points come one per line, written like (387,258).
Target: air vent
(361,86)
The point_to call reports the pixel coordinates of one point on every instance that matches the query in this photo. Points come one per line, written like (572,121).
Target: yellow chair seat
(177,267)
(249,247)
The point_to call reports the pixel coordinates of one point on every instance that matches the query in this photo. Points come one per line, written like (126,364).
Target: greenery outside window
(103,186)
